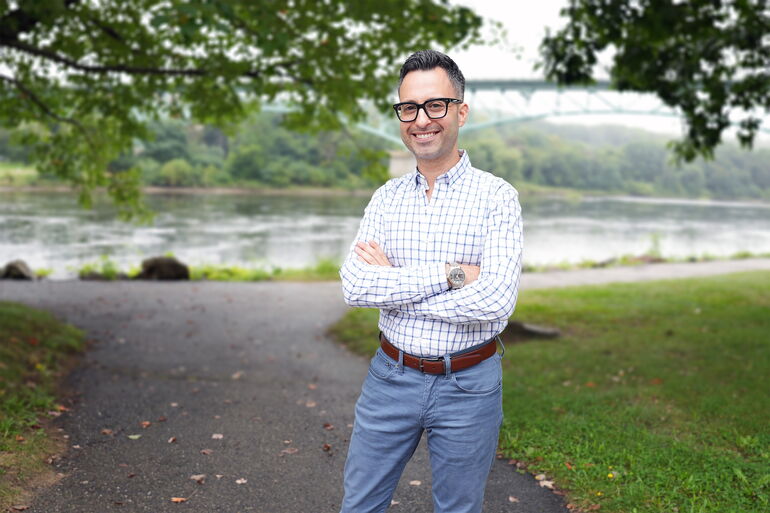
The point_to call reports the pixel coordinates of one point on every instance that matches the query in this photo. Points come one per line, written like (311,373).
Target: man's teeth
(423,136)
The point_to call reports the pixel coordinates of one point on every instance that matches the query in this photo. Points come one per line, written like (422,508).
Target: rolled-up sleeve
(377,286)
(492,297)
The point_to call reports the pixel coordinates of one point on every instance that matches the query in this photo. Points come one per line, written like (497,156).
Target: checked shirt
(473,217)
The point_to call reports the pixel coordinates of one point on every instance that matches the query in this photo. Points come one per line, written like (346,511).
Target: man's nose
(422,118)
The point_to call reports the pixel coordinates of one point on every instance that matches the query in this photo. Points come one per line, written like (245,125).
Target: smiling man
(439,253)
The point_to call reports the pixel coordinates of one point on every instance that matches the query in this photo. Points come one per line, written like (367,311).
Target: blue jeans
(461,413)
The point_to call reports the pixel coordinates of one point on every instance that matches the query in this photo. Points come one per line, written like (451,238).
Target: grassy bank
(654,400)
(34,349)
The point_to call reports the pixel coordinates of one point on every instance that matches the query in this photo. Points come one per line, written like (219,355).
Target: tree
(85,76)
(708,58)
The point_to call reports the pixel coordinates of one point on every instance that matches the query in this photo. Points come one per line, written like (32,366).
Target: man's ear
(462,113)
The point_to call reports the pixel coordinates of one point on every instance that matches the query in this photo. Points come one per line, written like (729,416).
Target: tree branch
(28,94)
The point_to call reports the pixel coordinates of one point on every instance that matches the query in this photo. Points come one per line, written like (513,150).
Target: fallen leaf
(328,427)
(591,384)
(540,477)
(219,476)
(217,436)
(198,478)
(206,452)
(415,482)
(19,508)
(162,419)
(62,408)
(135,437)
(19,438)
(240,481)
(511,498)
(174,405)
(178,499)
(569,465)
(327,447)
(106,431)
(145,424)
(656,381)
(394,503)
(130,475)
(547,484)
(290,450)
(310,404)
(312,386)
(76,447)
(172,440)
(287,442)
(237,375)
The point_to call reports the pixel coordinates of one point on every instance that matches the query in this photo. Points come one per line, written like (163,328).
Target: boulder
(519,331)
(163,268)
(17,270)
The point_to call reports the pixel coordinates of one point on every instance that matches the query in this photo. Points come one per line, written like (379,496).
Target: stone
(522,330)
(17,270)
(163,268)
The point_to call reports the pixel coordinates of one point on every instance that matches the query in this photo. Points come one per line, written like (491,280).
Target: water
(49,230)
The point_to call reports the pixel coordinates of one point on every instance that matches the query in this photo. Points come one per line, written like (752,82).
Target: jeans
(461,413)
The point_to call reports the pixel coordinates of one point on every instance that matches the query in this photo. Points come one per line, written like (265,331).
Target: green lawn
(656,398)
(33,350)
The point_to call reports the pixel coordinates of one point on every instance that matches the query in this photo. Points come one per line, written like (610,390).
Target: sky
(526,24)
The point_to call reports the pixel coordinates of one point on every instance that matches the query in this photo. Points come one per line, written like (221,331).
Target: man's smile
(424,136)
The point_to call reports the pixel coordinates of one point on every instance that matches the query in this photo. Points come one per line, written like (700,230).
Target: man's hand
(372,253)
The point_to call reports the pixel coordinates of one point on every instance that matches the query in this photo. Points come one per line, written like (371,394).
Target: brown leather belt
(436,365)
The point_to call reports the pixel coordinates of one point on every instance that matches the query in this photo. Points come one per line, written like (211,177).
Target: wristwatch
(455,275)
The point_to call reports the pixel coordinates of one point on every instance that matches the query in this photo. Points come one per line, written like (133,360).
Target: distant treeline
(263,152)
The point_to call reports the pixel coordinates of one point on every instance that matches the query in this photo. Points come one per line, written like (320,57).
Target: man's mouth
(425,135)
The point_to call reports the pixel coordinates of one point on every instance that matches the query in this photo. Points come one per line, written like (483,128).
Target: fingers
(371,253)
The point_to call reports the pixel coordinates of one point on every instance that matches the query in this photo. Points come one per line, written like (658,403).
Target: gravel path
(249,362)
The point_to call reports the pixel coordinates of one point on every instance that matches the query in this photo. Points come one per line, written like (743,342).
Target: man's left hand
(371,253)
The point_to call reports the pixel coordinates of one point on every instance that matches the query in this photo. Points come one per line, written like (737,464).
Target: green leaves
(707,59)
(94,73)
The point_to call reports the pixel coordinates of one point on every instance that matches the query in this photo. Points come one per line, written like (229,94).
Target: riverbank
(654,399)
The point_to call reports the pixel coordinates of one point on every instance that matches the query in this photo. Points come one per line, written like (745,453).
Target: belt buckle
(437,359)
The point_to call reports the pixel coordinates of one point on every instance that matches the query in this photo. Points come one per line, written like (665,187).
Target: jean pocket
(482,378)
(382,365)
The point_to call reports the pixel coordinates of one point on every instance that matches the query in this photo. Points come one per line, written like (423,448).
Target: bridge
(510,101)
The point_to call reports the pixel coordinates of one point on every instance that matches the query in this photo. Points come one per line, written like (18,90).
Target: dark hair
(426,60)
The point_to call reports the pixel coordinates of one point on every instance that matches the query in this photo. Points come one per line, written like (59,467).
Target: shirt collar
(451,176)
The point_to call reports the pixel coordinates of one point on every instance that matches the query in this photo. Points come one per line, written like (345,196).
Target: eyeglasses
(435,108)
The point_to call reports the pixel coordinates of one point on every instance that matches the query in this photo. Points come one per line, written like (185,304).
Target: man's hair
(426,60)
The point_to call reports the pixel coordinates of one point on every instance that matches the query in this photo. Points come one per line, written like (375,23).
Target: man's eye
(408,108)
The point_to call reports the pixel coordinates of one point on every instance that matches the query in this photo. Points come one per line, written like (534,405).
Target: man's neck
(432,169)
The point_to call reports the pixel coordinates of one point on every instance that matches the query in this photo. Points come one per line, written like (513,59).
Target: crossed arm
(369,279)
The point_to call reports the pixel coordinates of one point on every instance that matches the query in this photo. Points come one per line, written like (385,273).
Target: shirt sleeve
(492,297)
(377,286)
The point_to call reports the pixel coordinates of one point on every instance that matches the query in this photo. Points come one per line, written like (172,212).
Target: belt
(436,365)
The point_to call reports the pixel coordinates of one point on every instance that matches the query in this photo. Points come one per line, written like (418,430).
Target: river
(50,231)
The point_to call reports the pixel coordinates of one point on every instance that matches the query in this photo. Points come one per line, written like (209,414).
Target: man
(439,253)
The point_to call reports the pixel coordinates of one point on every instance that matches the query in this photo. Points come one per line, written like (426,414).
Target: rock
(17,270)
(522,330)
(163,268)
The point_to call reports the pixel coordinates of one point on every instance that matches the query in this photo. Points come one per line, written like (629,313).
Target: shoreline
(222,191)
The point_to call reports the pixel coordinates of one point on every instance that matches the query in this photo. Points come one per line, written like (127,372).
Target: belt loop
(400,361)
(447,364)
(502,346)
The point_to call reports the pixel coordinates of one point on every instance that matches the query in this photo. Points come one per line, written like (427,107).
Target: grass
(34,349)
(654,400)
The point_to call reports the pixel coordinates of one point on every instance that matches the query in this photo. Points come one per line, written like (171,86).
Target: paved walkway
(249,362)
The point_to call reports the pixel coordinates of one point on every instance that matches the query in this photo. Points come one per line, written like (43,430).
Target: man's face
(431,139)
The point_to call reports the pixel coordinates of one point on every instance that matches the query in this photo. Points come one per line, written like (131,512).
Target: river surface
(49,230)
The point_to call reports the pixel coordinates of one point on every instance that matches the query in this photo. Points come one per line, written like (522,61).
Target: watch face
(457,276)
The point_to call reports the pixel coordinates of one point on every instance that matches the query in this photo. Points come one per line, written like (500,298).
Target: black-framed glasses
(435,108)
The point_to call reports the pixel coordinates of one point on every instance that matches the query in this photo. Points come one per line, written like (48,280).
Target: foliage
(653,400)
(708,59)
(86,76)
(634,163)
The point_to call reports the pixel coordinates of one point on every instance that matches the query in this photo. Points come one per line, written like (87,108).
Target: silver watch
(455,275)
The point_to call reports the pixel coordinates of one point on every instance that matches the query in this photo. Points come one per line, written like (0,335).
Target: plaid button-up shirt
(473,217)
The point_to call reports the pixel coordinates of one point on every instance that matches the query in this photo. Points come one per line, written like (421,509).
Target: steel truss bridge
(502,102)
